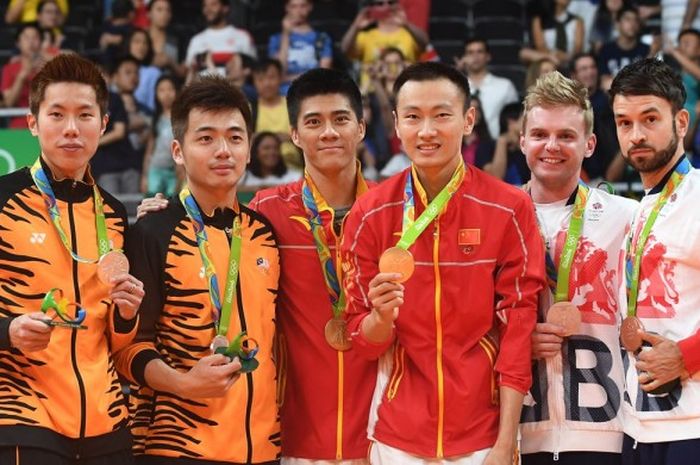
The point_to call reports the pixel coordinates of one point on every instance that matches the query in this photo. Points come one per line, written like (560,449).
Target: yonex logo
(37,238)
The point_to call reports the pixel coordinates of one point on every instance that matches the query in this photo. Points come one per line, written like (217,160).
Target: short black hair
(650,76)
(208,93)
(432,71)
(626,9)
(25,26)
(122,8)
(687,31)
(577,57)
(511,111)
(475,40)
(263,64)
(126,58)
(322,81)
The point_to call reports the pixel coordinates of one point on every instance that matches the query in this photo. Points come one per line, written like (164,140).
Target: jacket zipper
(341,366)
(438,336)
(74,335)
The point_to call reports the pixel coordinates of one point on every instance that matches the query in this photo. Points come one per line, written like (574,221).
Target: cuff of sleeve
(371,349)
(690,349)
(122,326)
(512,383)
(138,365)
(5,333)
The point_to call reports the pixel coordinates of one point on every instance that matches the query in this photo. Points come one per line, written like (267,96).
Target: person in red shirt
(453,340)
(18,73)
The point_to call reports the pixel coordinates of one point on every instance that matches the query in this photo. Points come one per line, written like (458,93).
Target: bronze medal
(218,342)
(336,332)
(566,315)
(111,264)
(631,341)
(397,260)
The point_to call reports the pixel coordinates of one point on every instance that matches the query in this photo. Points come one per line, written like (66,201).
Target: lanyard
(571,243)
(221,313)
(42,183)
(412,229)
(633,262)
(331,272)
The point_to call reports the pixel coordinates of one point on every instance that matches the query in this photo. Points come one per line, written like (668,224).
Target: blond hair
(555,90)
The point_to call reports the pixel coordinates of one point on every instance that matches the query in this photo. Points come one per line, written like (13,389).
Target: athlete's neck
(61,174)
(651,178)
(338,188)
(209,200)
(542,192)
(434,179)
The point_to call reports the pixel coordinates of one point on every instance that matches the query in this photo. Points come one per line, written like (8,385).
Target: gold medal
(218,342)
(631,341)
(336,332)
(111,265)
(566,315)
(397,260)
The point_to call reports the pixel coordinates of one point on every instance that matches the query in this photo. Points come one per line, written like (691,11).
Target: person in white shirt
(660,298)
(494,92)
(571,414)
(218,43)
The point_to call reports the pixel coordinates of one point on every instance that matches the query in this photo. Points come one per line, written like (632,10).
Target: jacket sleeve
(690,349)
(360,255)
(519,279)
(146,260)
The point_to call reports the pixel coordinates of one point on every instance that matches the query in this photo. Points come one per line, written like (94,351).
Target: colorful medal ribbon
(570,244)
(42,183)
(331,272)
(412,229)
(221,313)
(633,263)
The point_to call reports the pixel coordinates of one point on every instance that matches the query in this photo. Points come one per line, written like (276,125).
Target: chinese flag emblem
(469,237)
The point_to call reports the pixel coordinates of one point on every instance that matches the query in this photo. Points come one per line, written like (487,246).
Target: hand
(399,17)
(127,293)
(212,376)
(151,204)
(287,24)
(362,20)
(386,296)
(499,456)
(546,340)
(30,333)
(660,364)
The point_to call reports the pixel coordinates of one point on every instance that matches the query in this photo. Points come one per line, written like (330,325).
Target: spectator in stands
(270,108)
(18,73)
(686,58)
(493,92)
(603,28)
(159,172)
(381,24)
(165,49)
(299,47)
(555,32)
(380,134)
(139,45)
(25,11)
(218,42)
(508,162)
(115,30)
(125,80)
(617,54)
(585,70)
(267,167)
(239,70)
(112,165)
(537,68)
(49,18)
(478,146)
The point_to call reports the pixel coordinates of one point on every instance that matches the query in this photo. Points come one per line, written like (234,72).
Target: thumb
(651,338)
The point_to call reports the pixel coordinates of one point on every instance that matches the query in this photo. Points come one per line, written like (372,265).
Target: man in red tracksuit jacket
(454,339)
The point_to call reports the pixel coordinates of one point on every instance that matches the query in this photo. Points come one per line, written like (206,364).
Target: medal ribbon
(222,312)
(571,243)
(42,183)
(331,272)
(633,263)
(412,229)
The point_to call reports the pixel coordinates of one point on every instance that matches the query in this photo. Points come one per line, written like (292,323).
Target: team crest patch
(263,264)
(467,237)
(597,206)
